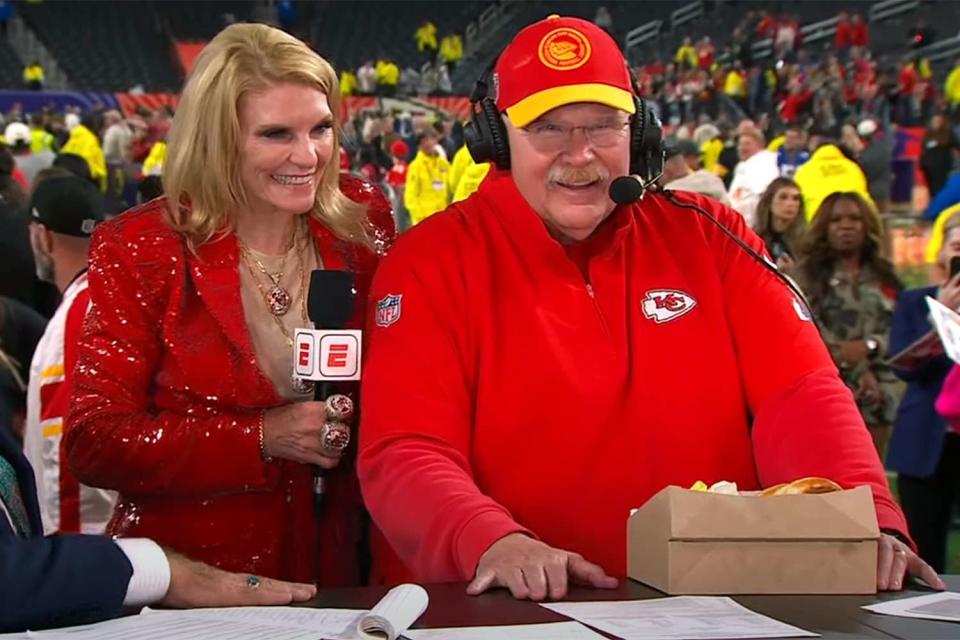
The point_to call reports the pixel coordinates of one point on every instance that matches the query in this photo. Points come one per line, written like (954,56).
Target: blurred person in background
(84,142)
(117,149)
(756,169)
(781,223)
(451,51)
(828,171)
(64,211)
(12,182)
(792,154)
(33,77)
(427,190)
(939,153)
(852,289)
(184,399)
(924,448)
(876,161)
(20,330)
(40,139)
(682,171)
(18,137)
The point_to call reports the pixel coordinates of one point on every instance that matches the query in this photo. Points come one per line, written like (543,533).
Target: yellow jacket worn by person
(84,143)
(451,48)
(951,89)
(426,36)
(388,73)
(428,189)
(153,165)
(40,140)
(829,171)
(348,83)
(470,181)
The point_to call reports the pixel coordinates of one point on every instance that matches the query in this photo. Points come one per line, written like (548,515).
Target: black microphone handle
(321,391)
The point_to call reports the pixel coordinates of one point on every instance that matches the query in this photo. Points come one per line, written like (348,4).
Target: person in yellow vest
(426,37)
(153,165)
(829,171)
(348,83)
(686,56)
(428,189)
(387,75)
(33,76)
(951,88)
(40,139)
(451,50)
(776,143)
(83,142)
(466,175)
(936,235)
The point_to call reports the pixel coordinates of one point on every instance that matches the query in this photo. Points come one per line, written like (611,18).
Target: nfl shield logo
(388,310)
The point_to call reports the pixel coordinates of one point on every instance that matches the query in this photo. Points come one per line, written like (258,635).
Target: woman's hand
(296,431)
(851,352)
(949,293)
(869,390)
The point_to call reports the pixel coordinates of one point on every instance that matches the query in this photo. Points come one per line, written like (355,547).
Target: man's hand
(195,584)
(534,570)
(896,560)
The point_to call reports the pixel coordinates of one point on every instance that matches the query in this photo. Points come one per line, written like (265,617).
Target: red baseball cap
(560,61)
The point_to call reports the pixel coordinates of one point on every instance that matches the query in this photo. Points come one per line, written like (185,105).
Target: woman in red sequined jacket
(184,399)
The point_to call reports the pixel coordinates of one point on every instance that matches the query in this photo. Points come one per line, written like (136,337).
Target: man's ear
(45,237)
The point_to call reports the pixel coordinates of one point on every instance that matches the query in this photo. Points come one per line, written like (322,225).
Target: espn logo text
(327,355)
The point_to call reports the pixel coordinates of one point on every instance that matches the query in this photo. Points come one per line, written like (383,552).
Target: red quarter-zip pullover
(513,384)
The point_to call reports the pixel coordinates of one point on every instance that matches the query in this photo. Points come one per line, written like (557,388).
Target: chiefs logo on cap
(564,49)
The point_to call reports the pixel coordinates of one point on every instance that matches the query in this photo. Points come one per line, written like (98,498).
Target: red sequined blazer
(167,398)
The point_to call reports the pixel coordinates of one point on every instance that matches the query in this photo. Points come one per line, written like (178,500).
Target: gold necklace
(277,298)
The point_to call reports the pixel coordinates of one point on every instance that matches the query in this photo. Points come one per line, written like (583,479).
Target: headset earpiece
(486,135)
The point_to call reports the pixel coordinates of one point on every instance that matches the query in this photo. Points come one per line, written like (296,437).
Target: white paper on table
(239,623)
(684,617)
(947,323)
(936,606)
(393,615)
(545,631)
(395,612)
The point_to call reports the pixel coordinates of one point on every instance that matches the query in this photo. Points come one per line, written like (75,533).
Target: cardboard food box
(694,542)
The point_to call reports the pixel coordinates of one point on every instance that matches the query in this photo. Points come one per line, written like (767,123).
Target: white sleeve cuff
(151,571)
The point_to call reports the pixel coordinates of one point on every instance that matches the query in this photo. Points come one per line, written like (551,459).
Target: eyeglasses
(554,136)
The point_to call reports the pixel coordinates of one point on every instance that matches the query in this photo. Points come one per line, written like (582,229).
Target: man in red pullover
(541,360)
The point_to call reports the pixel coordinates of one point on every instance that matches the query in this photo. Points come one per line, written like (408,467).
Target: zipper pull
(590,290)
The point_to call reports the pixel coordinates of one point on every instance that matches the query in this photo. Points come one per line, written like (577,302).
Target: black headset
(486,135)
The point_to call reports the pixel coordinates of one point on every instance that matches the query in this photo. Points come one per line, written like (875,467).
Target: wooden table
(830,616)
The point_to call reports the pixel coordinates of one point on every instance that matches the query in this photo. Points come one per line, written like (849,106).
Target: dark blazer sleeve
(59,581)
(56,581)
(909,324)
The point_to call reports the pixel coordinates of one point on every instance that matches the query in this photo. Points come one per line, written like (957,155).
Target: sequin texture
(167,397)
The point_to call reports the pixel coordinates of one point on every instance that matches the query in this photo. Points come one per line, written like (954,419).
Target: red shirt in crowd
(859,35)
(515,384)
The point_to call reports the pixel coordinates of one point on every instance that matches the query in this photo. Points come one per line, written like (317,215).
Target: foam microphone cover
(625,189)
(330,299)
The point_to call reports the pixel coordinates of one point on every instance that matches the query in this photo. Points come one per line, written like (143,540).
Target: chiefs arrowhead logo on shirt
(664,305)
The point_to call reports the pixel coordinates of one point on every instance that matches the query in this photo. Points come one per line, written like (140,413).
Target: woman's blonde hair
(201,175)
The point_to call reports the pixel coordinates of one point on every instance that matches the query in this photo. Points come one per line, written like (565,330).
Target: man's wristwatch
(873,348)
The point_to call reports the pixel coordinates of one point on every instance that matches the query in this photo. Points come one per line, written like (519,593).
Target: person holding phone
(924,449)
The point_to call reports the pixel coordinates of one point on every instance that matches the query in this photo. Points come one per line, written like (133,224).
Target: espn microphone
(329,353)
(627,189)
